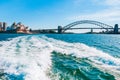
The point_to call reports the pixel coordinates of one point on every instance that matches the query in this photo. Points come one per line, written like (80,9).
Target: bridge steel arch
(100,24)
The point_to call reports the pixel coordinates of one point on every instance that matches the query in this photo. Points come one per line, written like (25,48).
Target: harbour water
(59,57)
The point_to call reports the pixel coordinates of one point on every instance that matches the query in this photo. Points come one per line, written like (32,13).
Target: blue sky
(39,14)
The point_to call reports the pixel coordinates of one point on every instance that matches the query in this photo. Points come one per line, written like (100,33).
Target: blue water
(60,57)
(105,42)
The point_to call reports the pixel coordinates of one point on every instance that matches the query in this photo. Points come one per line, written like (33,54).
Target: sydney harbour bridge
(100,25)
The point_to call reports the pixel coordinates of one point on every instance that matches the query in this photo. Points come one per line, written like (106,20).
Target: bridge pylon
(116,29)
(59,29)
(91,30)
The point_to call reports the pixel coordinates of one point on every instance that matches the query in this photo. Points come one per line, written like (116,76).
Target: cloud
(77,2)
(110,13)
(113,2)
(108,16)
(109,3)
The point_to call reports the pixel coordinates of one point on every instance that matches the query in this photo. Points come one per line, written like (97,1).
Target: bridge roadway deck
(80,28)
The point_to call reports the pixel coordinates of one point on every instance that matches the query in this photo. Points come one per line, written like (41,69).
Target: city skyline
(40,14)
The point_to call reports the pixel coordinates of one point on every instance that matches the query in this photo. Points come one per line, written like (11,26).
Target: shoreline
(53,33)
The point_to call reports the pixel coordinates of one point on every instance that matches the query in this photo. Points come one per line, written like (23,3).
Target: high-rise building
(1,26)
(4,26)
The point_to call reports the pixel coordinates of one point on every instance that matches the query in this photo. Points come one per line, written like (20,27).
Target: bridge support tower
(91,30)
(59,29)
(116,29)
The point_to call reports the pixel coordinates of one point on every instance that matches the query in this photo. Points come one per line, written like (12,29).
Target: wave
(30,56)
(100,59)
(27,56)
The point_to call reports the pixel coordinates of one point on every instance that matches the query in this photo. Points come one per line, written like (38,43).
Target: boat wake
(36,58)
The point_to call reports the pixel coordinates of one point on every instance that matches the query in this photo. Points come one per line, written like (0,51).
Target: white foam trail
(31,56)
(100,59)
(26,55)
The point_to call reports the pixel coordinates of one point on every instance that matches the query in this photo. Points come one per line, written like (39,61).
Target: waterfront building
(19,24)
(27,30)
(8,28)
(22,28)
(4,26)
(13,26)
(1,26)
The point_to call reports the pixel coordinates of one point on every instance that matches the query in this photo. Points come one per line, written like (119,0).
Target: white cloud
(113,2)
(108,16)
(77,2)
(109,3)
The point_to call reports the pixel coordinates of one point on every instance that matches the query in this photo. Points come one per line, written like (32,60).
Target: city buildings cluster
(3,26)
(14,28)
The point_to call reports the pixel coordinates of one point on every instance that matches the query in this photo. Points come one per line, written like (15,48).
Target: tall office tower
(1,26)
(4,26)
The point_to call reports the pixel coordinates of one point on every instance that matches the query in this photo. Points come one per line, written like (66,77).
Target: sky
(39,14)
